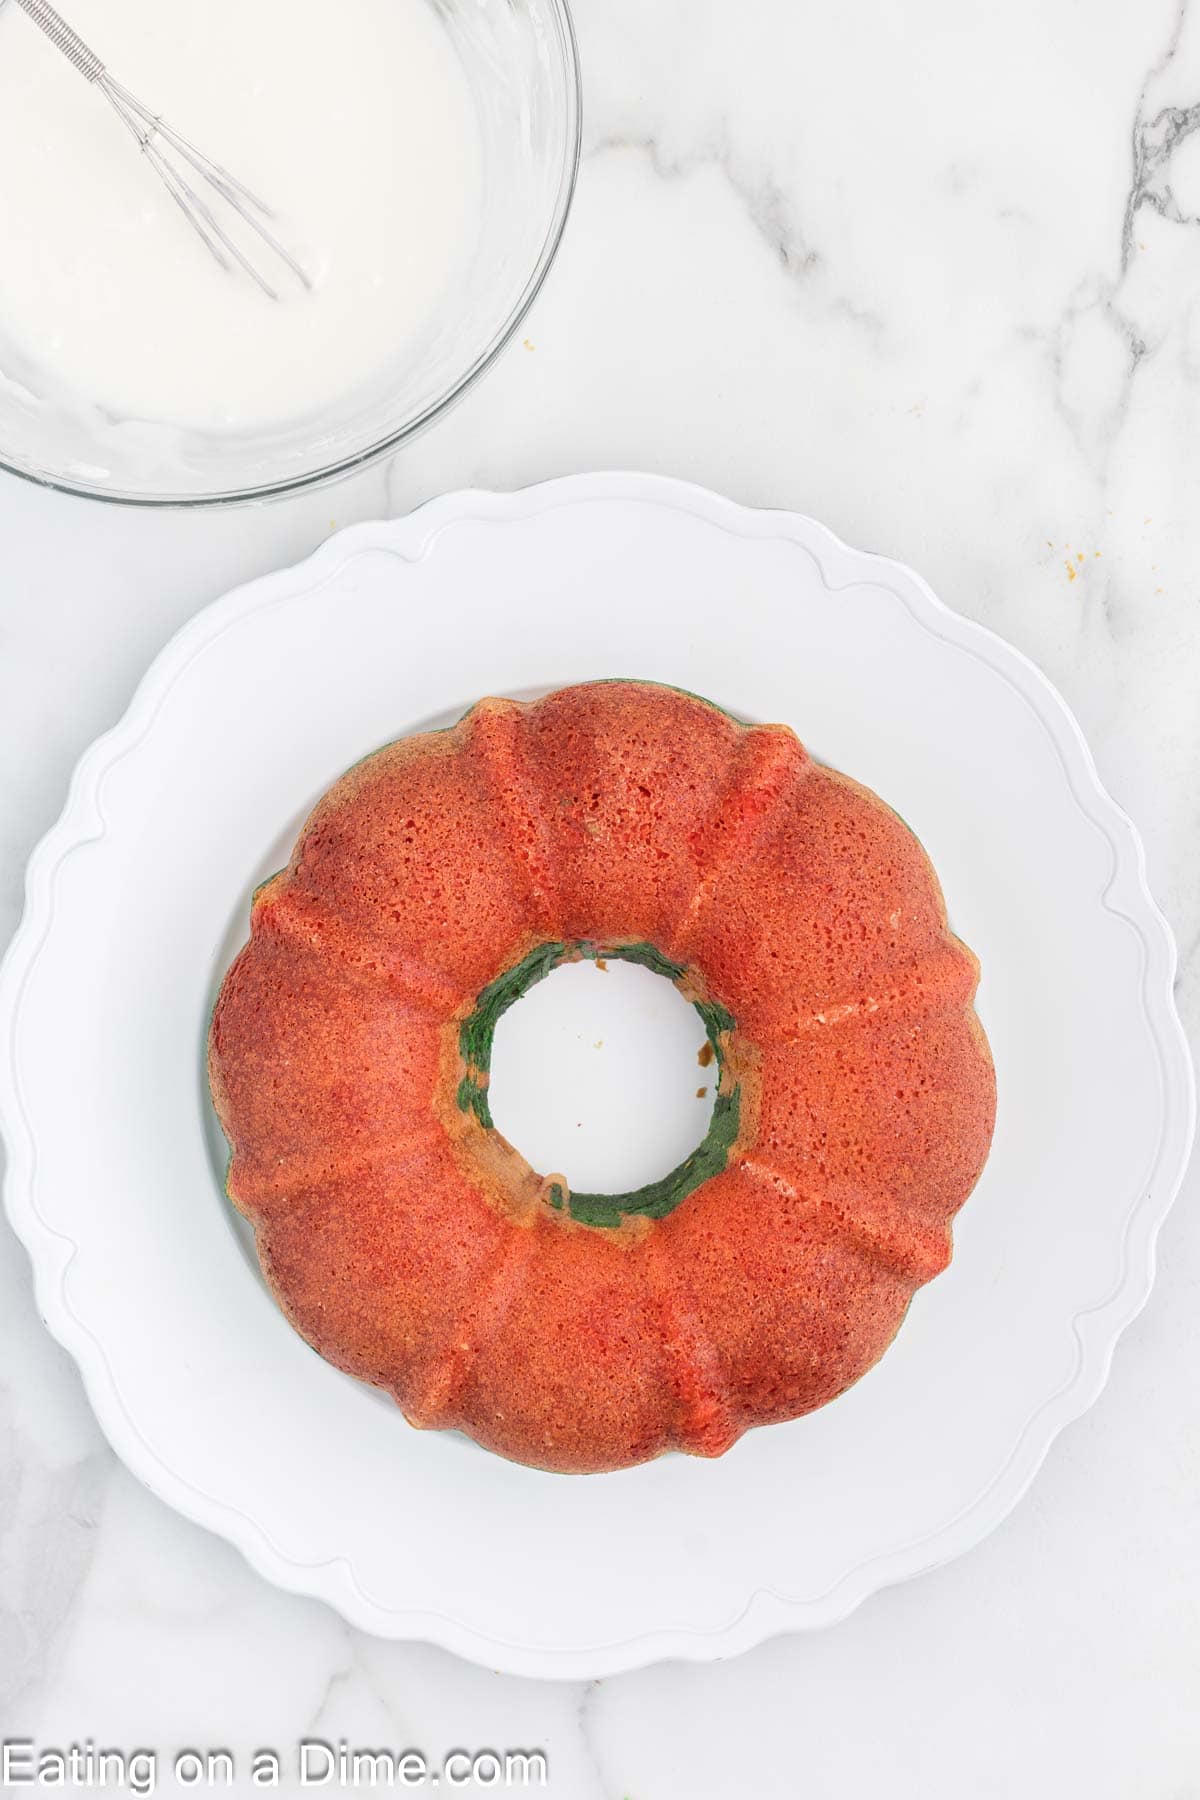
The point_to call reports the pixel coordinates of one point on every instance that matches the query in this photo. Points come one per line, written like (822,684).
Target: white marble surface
(932,273)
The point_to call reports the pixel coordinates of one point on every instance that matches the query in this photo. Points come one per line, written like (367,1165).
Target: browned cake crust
(414,1248)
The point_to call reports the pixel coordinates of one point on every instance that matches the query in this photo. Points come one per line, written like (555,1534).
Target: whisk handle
(60,34)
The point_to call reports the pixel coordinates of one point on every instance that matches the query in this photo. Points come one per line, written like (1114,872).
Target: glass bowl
(523,67)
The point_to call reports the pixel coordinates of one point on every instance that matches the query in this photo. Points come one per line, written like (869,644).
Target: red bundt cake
(415,1248)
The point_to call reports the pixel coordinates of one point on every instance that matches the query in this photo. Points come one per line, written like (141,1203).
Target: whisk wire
(160,144)
(200,216)
(233,191)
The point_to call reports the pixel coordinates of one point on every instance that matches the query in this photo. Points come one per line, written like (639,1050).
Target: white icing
(360,133)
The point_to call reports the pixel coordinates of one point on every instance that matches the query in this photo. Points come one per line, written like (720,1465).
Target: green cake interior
(657,1198)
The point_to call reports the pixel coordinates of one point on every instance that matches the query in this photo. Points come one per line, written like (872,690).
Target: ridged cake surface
(413,1247)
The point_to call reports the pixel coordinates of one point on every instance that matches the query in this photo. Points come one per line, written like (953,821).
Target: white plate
(138,896)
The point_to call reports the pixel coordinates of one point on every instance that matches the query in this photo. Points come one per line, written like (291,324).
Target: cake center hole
(596,1075)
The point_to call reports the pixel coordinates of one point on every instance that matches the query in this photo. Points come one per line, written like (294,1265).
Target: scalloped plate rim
(765,1613)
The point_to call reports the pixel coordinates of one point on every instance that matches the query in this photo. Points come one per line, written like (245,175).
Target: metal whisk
(170,156)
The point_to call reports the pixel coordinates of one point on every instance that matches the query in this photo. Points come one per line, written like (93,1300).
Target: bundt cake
(413,1247)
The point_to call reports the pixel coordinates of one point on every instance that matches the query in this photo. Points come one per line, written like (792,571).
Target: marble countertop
(932,274)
